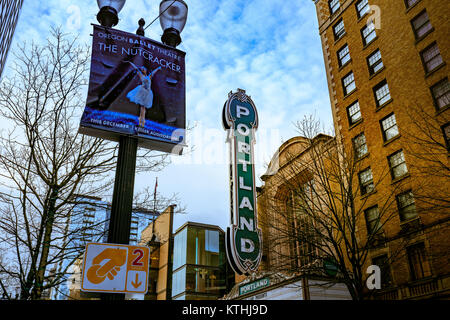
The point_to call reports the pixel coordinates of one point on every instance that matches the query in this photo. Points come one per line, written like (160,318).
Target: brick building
(387,69)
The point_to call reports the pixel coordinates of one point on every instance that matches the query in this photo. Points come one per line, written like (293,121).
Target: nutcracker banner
(136,88)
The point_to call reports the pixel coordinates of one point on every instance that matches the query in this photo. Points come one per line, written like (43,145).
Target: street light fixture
(173,15)
(109,10)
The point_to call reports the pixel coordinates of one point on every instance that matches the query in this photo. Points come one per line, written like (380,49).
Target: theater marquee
(244,239)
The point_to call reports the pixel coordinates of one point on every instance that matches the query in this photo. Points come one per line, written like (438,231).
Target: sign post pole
(122,202)
(122,71)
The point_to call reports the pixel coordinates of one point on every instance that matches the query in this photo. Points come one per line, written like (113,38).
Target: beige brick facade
(410,94)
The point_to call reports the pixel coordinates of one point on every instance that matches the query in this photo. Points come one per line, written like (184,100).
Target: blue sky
(270,48)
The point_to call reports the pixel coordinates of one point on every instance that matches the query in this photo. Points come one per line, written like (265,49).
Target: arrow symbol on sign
(136,283)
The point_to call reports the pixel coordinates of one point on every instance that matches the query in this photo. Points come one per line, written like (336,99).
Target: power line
(159,15)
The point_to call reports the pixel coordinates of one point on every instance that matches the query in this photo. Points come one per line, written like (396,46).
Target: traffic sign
(115,268)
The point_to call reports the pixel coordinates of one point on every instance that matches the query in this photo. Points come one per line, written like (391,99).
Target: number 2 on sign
(137,261)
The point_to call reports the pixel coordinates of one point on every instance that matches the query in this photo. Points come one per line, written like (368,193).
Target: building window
(348,83)
(383,263)
(339,29)
(421,25)
(354,113)
(360,146)
(334,5)
(204,280)
(374,62)
(418,262)
(410,3)
(441,94)
(343,55)
(366,181)
(362,7)
(446,131)
(382,94)
(397,164)
(179,281)
(389,127)
(373,220)
(406,206)
(304,243)
(368,33)
(431,57)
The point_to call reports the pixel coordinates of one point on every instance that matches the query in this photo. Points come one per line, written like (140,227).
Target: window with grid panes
(343,55)
(382,94)
(441,94)
(360,146)
(446,131)
(366,181)
(362,7)
(383,263)
(373,220)
(406,206)
(418,261)
(410,3)
(389,127)
(339,29)
(334,5)
(374,62)
(354,113)
(368,33)
(421,24)
(348,83)
(431,57)
(397,164)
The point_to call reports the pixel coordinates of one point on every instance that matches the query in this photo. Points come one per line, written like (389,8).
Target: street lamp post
(172,16)
(109,10)
(122,201)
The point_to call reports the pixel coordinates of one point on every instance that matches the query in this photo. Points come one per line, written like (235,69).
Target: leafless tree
(428,148)
(45,163)
(314,210)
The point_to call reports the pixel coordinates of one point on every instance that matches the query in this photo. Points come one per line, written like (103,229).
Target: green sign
(330,266)
(254,286)
(244,239)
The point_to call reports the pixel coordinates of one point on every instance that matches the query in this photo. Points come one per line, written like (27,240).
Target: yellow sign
(115,268)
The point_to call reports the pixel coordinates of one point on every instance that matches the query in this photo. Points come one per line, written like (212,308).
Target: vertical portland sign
(244,240)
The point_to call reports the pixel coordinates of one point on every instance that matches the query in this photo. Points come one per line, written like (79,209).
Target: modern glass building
(9,15)
(200,268)
(90,223)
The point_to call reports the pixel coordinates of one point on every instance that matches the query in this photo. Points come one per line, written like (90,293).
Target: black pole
(122,202)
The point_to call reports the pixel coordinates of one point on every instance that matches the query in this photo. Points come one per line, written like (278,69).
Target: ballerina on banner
(142,95)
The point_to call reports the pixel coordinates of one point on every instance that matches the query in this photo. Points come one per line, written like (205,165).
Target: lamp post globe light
(173,15)
(109,10)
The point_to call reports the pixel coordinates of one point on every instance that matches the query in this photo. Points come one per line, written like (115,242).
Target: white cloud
(269,48)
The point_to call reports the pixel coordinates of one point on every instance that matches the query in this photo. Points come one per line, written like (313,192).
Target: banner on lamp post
(244,238)
(136,88)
